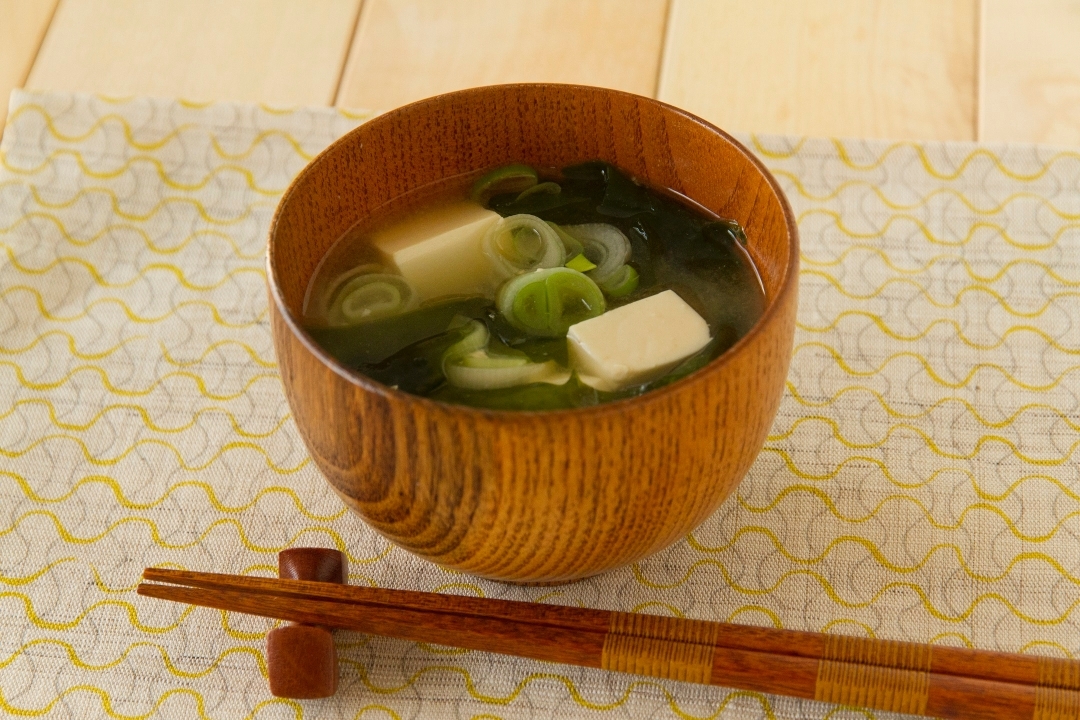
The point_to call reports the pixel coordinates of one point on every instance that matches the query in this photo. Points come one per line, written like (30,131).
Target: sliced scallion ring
(580,263)
(505,179)
(545,303)
(572,244)
(481,359)
(468,364)
(622,283)
(520,243)
(366,295)
(548,188)
(474,336)
(605,246)
(497,376)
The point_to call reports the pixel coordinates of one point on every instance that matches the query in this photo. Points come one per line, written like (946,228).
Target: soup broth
(519,290)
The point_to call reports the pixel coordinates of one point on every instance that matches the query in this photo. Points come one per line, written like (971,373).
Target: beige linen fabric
(920,482)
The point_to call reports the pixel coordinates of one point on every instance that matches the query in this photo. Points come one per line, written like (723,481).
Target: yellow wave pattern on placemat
(920,483)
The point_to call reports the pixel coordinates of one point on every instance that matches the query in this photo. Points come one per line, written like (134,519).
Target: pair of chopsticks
(886,675)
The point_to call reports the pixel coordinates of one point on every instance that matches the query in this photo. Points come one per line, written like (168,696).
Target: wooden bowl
(539,497)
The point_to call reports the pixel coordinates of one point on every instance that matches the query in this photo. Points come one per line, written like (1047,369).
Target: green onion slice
(506,179)
(570,243)
(580,263)
(545,303)
(495,377)
(481,359)
(467,364)
(548,188)
(366,294)
(474,337)
(520,243)
(605,246)
(622,283)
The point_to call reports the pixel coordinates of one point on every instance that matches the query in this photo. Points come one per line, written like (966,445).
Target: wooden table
(903,69)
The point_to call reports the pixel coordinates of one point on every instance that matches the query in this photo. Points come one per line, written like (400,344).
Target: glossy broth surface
(672,245)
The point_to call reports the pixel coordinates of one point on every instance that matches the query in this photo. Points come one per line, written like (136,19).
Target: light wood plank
(22,26)
(406,50)
(1030,83)
(866,68)
(274,51)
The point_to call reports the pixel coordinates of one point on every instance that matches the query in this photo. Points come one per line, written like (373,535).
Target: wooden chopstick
(538,642)
(985,664)
(579,618)
(906,677)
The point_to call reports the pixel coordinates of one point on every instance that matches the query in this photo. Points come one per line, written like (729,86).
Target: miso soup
(519,289)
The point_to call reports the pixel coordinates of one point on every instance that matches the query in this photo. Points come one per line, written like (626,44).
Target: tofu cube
(438,251)
(636,343)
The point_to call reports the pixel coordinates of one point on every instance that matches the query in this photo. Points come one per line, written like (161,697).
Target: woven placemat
(920,482)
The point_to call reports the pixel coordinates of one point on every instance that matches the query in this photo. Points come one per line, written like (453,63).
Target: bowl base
(537,583)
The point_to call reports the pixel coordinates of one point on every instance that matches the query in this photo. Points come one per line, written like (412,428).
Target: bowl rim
(788,282)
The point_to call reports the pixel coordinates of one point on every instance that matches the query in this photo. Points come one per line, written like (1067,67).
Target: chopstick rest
(301,660)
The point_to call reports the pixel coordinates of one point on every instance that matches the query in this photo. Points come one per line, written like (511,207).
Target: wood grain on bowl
(533,496)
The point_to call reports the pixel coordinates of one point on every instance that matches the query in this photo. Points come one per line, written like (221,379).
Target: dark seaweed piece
(537,349)
(416,369)
(574,393)
(641,245)
(593,172)
(722,339)
(672,245)
(623,198)
(724,230)
(544,349)
(374,342)
(677,231)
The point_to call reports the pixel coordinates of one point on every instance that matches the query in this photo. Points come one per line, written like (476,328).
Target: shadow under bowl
(533,497)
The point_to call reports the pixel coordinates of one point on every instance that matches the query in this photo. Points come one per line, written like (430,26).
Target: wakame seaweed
(374,342)
(672,246)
